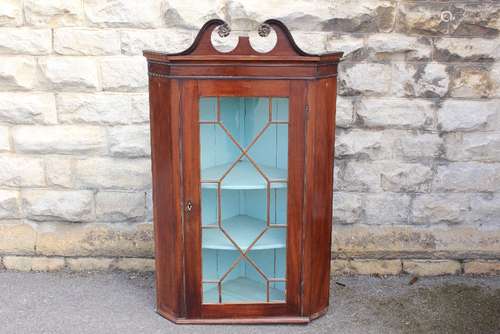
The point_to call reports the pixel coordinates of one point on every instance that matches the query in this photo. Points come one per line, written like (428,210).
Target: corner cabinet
(242,155)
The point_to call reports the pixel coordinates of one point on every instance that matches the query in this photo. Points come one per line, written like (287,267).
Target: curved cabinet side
(318,195)
(165,122)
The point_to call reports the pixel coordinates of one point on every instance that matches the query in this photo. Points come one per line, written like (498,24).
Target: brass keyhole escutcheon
(189,206)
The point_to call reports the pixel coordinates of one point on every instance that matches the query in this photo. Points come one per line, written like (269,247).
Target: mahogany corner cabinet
(242,161)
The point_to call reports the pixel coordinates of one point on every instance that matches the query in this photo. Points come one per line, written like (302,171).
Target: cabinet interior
(244,169)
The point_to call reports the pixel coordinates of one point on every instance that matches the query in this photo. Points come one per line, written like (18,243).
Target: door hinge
(306,111)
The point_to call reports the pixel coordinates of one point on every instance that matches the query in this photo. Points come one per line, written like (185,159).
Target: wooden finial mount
(202,45)
(203,61)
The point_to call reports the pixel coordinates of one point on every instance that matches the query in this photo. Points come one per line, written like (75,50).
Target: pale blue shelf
(243,176)
(242,290)
(243,230)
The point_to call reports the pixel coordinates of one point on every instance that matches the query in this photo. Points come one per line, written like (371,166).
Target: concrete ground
(124,303)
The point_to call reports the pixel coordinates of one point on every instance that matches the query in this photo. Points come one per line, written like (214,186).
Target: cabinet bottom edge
(243,320)
(255,320)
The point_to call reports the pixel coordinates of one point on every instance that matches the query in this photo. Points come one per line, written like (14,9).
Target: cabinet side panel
(318,194)
(296,164)
(191,190)
(164,96)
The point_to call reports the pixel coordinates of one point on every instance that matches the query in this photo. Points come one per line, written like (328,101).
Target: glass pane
(278,206)
(280,109)
(209,209)
(270,152)
(243,117)
(244,162)
(208,108)
(217,265)
(275,271)
(248,285)
(217,153)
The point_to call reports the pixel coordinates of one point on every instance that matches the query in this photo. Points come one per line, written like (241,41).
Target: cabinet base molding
(243,321)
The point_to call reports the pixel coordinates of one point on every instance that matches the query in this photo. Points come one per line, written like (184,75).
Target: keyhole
(189,206)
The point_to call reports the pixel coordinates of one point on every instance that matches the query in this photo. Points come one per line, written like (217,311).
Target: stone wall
(418,128)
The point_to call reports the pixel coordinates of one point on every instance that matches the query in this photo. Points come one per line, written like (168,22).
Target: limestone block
(482,267)
(69,73)
(120,206)
(472,82)
(352,78)
(124,73)
(25,41)
(109,108)
(134,41)
(134,264)
(129,141)
(466,49)
(431,267)
(386,208)
(467,176)
(385,176)
(17,73)
(311,42)
(95,239)
(27,263)
(183,14)
(495,77)
(53,13)
(123,13)
(4,138)
(149,206)
(474,146)
(463,115)
(347,207)
(422,18)
(344,112)
(17,263)
(372,16)
(479,19)
(398,47)
(28,108)
(485,209)
(420,80)
(58,170)
(140,107)
(418,146)
(396,113)
(9,204)
(86,42)
(21,171)
(63,139)
(405,177)
(89,264)
(246,15)
(17,238)
(107,173)
(363,144)
(49,205)
(456,241)
(358,176)
(440,208)
(366,267)
(352,46)
(11,13)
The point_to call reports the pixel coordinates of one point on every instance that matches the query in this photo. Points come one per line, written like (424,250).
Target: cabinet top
(202,50)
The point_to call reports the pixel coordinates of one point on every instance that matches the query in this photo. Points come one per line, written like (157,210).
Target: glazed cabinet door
(243,166)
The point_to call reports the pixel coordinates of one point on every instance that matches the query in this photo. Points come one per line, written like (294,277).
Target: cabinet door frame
(191,90)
